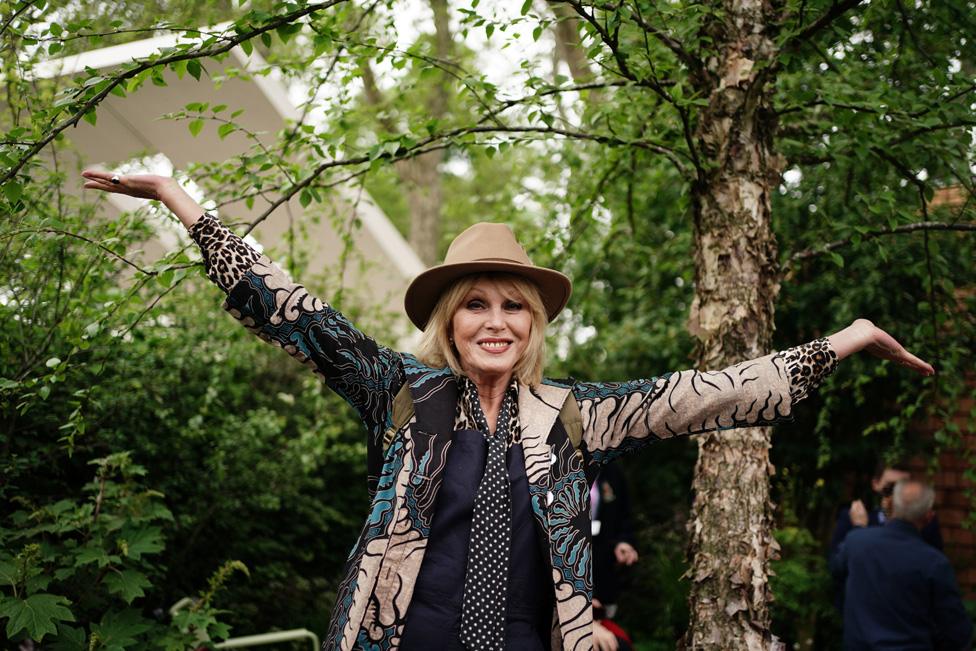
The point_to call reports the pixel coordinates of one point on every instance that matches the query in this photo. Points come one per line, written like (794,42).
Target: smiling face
(491,329)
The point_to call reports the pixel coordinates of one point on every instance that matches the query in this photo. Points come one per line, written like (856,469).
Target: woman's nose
(496,318)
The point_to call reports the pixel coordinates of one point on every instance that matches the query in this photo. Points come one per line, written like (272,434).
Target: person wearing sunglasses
(857,516)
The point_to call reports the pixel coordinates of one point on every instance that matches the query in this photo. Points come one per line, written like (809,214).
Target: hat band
(506,260)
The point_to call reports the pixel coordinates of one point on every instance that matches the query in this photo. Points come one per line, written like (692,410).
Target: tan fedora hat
(482,248)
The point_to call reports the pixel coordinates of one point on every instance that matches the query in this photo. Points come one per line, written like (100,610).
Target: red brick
(950,518)
(964,537)
(954,461)
(953,498)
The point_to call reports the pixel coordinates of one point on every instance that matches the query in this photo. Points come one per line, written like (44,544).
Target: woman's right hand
(148,186)
(141,186)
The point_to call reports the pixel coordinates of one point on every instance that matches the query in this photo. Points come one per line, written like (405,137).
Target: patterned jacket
(406,465)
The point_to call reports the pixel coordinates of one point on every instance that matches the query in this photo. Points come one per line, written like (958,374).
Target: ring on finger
(115,179)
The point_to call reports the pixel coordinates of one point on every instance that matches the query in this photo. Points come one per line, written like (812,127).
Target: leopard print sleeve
(226,257)
(808,365)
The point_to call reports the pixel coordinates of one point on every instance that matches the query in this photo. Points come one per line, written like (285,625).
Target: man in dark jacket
(883,481)
(901,593)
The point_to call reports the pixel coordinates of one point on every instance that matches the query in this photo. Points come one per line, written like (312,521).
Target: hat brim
(426,289)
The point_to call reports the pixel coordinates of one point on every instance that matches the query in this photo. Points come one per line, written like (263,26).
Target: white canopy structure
(382,263)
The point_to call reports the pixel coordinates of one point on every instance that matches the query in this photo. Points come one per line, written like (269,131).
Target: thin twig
(58,231)
(806,33)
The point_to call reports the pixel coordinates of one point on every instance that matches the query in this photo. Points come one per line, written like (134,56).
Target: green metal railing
(271,638)
(255,640)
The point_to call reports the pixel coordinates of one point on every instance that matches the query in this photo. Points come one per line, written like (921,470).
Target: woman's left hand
(864,335)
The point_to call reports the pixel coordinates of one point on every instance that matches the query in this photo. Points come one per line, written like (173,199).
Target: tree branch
(58,231)
(13,16)
(806,33)
(814,252)
(438,140)
(229,43)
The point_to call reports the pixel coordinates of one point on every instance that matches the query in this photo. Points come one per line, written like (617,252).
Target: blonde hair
(436,349)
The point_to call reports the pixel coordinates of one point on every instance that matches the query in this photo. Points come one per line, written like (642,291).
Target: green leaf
(128,584)
(225,129)
(90,117)
(120,630)
(55,29)
(305,198)
(69,639)
(38,614)
(194,68)
(266,39)
(13,191)
(148,540)
(195,127)
(837,258)
(489,30)
(247,47)
(92,553)
(526,6)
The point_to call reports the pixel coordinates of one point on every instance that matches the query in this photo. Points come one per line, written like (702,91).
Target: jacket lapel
(538,410)
(435,395)
(560,501)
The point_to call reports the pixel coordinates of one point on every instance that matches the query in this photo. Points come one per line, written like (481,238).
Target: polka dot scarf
(486,577)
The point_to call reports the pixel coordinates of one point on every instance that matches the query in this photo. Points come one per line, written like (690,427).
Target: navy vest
(434,616)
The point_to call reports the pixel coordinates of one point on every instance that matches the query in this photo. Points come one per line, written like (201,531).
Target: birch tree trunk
(731,541)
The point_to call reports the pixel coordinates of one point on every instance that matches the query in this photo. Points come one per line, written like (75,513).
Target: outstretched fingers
(98,180)
(909,360)
(887,347)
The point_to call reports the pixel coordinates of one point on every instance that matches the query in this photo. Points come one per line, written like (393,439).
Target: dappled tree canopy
(718,178)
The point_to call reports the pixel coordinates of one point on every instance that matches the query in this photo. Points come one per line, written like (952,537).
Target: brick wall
(952,503)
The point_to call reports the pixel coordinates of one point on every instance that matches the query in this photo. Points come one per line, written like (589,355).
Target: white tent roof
(131,127)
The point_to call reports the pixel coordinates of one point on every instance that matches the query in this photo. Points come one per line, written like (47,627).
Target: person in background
(613,536)
(883,481)
(901,591)
(613,552)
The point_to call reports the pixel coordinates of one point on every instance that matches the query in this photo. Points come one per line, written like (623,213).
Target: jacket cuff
(808,365)
(226,257)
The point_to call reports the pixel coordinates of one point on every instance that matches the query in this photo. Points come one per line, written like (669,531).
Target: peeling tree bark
(730,530)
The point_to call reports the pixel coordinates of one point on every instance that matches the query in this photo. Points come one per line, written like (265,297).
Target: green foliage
(139,428)
(97,550)
(803,609)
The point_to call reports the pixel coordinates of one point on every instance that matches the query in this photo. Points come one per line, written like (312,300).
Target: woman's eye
(475,305)
(513,305)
